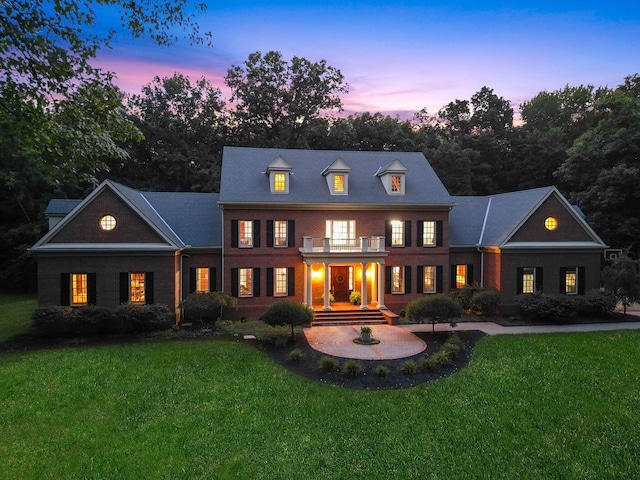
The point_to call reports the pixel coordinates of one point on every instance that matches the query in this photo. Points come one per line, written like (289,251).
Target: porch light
(316,274)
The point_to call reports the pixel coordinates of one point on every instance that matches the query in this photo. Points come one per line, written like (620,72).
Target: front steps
(348,317)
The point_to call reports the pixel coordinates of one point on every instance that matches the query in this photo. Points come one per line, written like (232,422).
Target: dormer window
(279,172)
(393,178)
(337,175)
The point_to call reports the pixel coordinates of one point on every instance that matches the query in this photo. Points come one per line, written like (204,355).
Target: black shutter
(453,277)
(234,233)
(256,282)
(387,279)
(192,280)
(563,280)
(439,279)
(539,283)
(420,276)
(148,288)
(256,233)
(420,236)
(269,282)
(291,233)
(91,289)
(581,280)
(470,274)
(213,279)
(269,233)
(519,275)
(65,289)
(407,233)
(387,233)
(234,282)
(124,287)
(407,279)
(291,281)
(439,233)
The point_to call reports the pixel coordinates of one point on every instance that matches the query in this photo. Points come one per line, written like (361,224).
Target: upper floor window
(279,171)
(202,280)
(396,183)
(338,183)
(341,232)
(245,233)
(280,233)
(551,223)
(137,287)
(108,222)
(428,233)
(337,175)
(79,289)
(279,182)
(397,233)
(393,176)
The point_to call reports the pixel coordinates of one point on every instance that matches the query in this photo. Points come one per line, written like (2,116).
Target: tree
(434,309)
(210,304)
(622,278)
(288,312)
(490,112)
(276,101)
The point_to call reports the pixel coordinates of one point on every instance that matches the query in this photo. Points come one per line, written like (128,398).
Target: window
(461,276)
(280,282)
(202,280)
(136,288)
(429,279)
(571,281)
(428,234)
(280,233)
(108,222)
(396,183)
(79,289)
(397,233)
(245,233)
(338,183)
(341,232)
(550,223)
(245,282)
(528,280)
(280,182)
(397,279)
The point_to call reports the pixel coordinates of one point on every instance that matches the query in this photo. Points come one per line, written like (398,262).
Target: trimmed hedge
(540,306)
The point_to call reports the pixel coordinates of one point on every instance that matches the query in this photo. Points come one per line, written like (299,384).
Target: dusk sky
(399,57)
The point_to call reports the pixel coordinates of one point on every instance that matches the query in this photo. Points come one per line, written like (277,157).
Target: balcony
(354,245)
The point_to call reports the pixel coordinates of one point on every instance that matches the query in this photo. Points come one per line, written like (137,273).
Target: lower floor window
(397,279)
(429,279)
(202,279)
(79,289)
(280,283)
(528,280)
(571,281)
(137,287)
(245,282)
(461,276)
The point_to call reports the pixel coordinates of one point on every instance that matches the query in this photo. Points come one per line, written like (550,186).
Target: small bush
(542,307)
(595,303)
(295,355)
(409,367)
(288,312)
(352,368)
(427,364)
(131,317)
(485,301)
(382,371)
(328,364)
(355,298)
(441,358)
(433,309)
(464,295)
(91,320)
(206,306)
(51,321)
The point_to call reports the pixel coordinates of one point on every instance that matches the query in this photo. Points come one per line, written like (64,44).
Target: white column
(364,302)
(308,300)
(381,283)
(327,303)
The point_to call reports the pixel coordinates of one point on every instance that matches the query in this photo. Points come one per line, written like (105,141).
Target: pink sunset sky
(399,58)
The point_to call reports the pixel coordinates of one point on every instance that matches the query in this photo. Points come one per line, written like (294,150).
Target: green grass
(530,406)
(15,314)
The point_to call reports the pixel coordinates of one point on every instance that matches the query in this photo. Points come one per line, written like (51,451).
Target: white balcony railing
(329,245)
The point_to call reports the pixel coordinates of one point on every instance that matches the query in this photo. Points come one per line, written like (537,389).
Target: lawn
(15,314)
(534,406)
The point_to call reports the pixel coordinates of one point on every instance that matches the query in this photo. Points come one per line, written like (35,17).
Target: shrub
(288,312)
(595,303)
(328,364)
(352,368)
(131,317)
(427,364)
(485,301)
(382,371)
(539,306)
(355,298)
(91,320)
(433,308)
(409,367)
(52,321)
(295,355)
(207,306)
(441,358)
(464,295)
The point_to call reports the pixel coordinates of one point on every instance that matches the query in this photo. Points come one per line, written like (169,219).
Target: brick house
(312,226)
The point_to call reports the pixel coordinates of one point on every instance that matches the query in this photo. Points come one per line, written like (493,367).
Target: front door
(340,283)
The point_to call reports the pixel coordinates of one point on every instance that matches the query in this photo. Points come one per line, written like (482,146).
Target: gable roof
(60,206)
(243,180)
(493,220)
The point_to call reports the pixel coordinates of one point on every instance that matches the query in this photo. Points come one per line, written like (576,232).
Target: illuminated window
(108,222)
(79,289)
(245,280)
(397,233)
(280,182)
(461,276)
(429,279)
(245,233)
(571,281)
(136,288)
(397,279)
(528,280)
(202,280)
(341,232)
(396,183)
(280,282)
(550,223)
(280,233)
(428,234)
(338,183)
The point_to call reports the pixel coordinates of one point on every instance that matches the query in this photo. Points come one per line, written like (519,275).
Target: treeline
(583,139)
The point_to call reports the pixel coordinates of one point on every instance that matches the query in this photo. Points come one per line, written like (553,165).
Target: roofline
(335,206)
(553,245)
(102,247)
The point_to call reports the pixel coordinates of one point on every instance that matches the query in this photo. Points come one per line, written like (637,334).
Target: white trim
(484,222)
